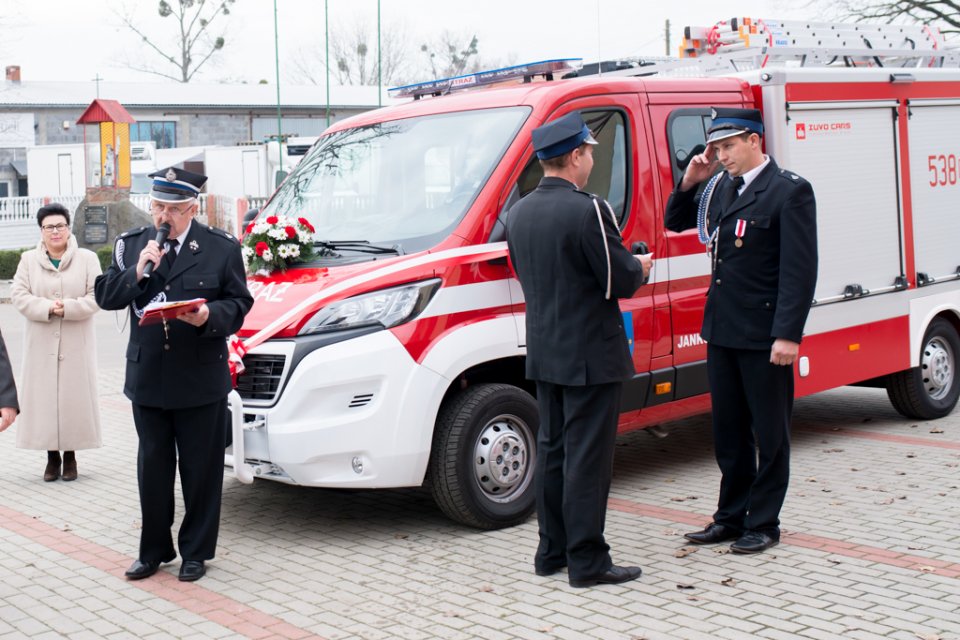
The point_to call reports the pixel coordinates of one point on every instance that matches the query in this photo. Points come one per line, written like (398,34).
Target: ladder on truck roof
(744,44)
(738,44)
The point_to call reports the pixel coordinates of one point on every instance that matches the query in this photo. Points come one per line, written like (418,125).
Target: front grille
(261,377)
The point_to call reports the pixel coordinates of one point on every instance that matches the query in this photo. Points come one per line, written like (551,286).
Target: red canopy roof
(105,111)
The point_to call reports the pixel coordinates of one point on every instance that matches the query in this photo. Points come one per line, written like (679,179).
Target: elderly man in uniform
(567,252)
(762,231)
(9,408)
(177,375)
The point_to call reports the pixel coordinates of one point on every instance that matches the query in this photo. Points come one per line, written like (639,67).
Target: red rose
(250,228)
(273,220)
(307,224)
(291,232)
(261,247)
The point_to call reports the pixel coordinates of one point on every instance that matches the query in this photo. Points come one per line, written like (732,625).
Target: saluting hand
(784,352)
(701,167)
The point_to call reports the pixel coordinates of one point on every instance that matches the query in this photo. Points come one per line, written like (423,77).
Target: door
(65,172)
(252,185)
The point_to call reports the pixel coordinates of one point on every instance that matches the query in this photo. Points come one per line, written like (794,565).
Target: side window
(609,178)
(687,135)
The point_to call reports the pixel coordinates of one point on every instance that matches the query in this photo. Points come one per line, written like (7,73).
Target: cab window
(609,178)
(687,136)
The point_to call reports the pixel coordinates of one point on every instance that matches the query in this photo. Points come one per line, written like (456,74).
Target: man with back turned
(569,257)
(178,375)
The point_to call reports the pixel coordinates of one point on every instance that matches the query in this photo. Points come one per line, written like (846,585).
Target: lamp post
(276,52)
(326,37)
(379,62)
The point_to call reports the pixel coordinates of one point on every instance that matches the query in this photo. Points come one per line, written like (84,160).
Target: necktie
(171,253)
(730,195)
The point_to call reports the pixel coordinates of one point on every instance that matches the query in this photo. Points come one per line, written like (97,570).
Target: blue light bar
(527,71)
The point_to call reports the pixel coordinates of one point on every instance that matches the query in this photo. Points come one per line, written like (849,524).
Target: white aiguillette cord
(603,234)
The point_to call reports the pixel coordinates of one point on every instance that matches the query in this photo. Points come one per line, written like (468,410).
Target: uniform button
(718,281)
(719,260)
(201,283)
(753,222)
(767,305)
(166,347)
(56,295)
(59,357)
(167,287)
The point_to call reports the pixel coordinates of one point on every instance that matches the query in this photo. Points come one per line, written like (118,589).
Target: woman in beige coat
(53,289)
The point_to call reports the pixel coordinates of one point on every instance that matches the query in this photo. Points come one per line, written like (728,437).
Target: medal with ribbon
(739,230)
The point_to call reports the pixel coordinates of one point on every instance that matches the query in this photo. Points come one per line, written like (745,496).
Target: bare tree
(353,56)
(447,56)
(945,12)
(194,42)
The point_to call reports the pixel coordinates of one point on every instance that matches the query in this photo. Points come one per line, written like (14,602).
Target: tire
(931,390)
(483,455)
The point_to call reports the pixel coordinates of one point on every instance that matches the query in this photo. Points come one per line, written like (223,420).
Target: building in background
(170,115)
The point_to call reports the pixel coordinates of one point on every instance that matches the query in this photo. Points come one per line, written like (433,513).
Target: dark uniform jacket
(762,290)
(8,388)
(574,335)
(190,361)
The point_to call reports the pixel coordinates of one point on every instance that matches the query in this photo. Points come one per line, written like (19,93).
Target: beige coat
(59,410)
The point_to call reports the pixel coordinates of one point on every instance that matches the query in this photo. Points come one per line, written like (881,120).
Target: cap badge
(193,245)
(171,175)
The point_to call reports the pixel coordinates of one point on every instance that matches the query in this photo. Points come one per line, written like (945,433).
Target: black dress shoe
(548,570)
(613,575)
(712,534)
(192,570)
(140,569)
(753,542)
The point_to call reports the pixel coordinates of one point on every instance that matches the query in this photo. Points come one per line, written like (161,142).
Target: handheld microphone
(162,232)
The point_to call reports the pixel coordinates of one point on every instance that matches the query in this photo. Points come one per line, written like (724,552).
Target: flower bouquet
(276,242)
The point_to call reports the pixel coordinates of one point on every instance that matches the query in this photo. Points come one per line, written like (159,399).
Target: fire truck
(396,358)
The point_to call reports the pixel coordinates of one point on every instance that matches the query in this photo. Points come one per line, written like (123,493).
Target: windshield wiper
(363,246)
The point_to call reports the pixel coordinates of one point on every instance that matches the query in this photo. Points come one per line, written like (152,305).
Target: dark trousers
(197,435)
(578,431)
(752,402)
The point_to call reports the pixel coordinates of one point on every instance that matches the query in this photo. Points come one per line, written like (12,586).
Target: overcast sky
(74,40)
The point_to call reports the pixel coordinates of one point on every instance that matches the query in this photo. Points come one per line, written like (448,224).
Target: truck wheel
(930,390)
(484,450)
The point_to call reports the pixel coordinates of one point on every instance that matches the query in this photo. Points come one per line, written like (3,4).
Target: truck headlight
(387,307)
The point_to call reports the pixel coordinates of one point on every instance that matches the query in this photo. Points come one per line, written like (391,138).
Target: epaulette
(789,175)
(584,193)
(220,233)
(133,232)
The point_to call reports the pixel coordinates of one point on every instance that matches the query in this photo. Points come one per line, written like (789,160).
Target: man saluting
(177,375)
(761,227)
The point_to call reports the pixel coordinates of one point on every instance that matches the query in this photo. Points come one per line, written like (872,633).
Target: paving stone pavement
(871,547)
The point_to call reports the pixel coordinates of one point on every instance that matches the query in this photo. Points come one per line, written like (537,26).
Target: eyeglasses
(50,228)
(160,207)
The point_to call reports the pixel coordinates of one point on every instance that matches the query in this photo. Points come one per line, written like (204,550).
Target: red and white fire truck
(397,358)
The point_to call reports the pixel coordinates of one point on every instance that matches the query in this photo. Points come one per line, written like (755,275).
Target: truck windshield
(405,182)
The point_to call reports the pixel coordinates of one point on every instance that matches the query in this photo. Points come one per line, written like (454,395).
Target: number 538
(943,169)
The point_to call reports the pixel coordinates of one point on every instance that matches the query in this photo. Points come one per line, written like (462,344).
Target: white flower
(260,227)
(277,233)
(305,237)
(266,256)
(292,250)
(247,252)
